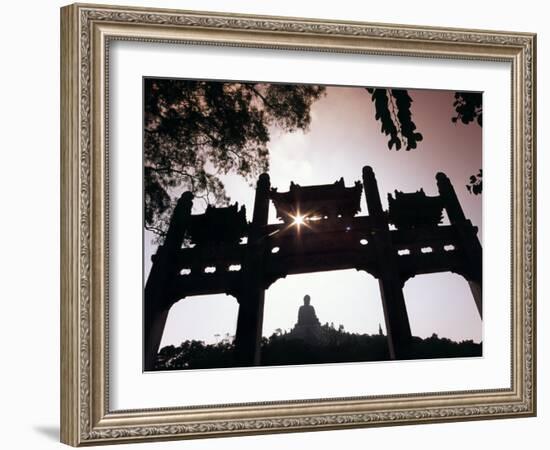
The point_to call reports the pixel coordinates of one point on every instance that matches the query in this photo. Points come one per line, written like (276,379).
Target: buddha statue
(308,326)
(306,314)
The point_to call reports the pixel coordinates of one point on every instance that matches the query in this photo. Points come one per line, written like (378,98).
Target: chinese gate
(320,231)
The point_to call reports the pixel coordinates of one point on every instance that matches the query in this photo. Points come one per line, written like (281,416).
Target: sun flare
(298,220)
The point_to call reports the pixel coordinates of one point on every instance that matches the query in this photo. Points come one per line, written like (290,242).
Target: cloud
(290,159)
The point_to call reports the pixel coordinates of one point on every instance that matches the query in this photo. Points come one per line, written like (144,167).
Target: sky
(343,137)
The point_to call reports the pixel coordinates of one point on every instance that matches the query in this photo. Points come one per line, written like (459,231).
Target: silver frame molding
(86,31)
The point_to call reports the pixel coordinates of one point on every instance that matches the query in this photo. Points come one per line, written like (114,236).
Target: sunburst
(298,220)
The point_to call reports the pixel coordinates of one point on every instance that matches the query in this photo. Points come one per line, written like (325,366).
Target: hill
(334,346)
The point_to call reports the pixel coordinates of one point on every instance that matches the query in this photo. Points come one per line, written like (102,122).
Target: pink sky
(344,136)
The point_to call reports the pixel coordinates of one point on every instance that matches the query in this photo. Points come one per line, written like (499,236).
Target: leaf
(468,107)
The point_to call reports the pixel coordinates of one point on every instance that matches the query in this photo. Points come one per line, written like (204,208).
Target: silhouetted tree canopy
(336,346)
(195,131)
(468,107)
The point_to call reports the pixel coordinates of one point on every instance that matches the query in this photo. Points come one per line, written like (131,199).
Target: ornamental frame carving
(86,31)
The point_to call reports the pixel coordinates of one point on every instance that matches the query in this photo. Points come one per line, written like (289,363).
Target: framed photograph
(276,225)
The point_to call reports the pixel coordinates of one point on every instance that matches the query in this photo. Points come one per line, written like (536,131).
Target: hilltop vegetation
(336,346)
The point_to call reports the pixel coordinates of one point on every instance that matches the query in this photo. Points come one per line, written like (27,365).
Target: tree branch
(253,89)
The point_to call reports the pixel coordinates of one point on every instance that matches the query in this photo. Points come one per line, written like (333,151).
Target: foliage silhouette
(475,185)
(195,131)
(335,346)
(469,108)
(393,110)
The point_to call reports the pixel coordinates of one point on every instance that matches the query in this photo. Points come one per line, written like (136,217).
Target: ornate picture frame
(87,31)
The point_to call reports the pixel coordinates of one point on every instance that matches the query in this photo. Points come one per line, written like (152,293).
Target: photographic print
(302,224)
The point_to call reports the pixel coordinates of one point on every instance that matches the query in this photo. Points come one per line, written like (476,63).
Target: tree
(468,108)
(196,131)
(334,346)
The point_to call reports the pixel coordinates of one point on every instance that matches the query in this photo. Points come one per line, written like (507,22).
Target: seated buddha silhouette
(306,314)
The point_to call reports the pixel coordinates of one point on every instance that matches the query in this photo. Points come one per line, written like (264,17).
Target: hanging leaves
(475,185)
(393,110)
(468,107)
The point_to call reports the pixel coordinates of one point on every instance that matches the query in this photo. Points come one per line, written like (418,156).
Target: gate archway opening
(441,304)
(207,318)
(343,297)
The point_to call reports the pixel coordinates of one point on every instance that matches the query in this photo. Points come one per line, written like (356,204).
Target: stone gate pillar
(468,243)
(252,291)
(389,278)
(157,296)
